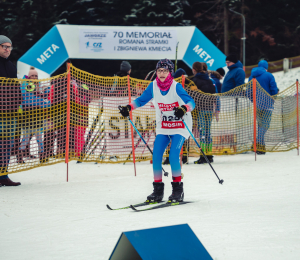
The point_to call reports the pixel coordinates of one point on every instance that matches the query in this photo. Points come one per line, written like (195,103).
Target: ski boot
(158,192)
(177,192)
(261,147)
(202,160)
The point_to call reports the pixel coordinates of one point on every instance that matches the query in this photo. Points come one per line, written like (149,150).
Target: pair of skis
(146,203)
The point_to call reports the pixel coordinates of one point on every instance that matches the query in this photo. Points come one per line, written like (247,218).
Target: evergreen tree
(158,13)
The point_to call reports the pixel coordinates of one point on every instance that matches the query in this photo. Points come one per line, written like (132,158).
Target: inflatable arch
(62,42)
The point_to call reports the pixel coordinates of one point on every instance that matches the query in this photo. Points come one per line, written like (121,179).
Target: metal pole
(244,36)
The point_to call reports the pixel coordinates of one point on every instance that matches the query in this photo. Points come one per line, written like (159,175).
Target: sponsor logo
(95,35)
(167,107)
(97,44)
(172,125)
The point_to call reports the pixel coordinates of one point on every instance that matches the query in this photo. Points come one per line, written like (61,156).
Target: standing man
(10,100)
(235,76)
(125,69)
(264,103)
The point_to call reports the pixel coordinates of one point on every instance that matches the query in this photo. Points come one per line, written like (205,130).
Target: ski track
(253,215)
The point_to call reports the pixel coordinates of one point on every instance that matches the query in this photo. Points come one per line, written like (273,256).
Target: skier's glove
(180,111)
(124,110)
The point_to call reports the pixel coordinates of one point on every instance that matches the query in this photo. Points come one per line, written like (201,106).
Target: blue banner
(48,53)
(203,50)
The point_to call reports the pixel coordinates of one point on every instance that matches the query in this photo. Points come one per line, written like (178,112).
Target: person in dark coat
(125,69)
(264,103)
(10,100)
(205,104)
(217,76)
(178,73)
(235,76)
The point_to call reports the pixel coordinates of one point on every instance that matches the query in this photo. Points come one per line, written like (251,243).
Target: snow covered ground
(253,215)
(285,80)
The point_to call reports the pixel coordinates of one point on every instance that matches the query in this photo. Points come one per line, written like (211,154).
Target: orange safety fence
(75,116)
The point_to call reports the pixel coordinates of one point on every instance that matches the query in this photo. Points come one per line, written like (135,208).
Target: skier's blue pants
(160,145)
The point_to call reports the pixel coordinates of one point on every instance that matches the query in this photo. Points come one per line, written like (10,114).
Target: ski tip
(108,207)
(132,207)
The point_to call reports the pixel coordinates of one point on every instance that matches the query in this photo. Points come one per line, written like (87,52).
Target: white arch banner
(121,43)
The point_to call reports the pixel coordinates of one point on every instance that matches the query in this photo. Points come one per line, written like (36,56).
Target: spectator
(82,98)
(125,69)
(221,71)
(235,76)
(209,72)
(32,74)
(10,100)
(117,89)
(178,73)
(58,97)
(205,105)
(264,103)
(217,76)
(56,122)
(33,118)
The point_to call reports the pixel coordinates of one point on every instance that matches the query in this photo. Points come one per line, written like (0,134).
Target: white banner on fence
(135,41)
(118,133)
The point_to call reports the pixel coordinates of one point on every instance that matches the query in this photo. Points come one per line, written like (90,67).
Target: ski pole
(165,173)
(206,159)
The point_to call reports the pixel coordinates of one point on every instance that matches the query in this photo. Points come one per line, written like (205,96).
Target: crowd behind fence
(75,116)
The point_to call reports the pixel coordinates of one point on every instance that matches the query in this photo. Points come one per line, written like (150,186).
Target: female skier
(172,104)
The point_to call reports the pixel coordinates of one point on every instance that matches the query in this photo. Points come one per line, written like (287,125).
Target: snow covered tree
(158,13)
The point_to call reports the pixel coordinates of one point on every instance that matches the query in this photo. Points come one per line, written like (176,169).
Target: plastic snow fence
(75,116)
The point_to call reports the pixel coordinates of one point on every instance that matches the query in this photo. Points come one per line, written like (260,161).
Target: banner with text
(128,40)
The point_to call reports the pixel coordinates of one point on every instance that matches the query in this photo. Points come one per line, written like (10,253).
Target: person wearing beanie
(205,107)
(125,69)
(178,73)
(216,77)
(32,74)
(264,103)
(31,124)
(221,71)
(172,104)
(31,87)
(10,100)
(235,76)
(7,68)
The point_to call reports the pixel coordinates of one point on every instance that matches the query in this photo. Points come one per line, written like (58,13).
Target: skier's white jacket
(164,102)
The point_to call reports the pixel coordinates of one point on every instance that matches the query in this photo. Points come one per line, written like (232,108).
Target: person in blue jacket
(33,120)
(172,104)
(235,76)
(264,103)
(217,76)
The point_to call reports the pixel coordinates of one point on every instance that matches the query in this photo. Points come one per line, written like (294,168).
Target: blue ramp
(172,242)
